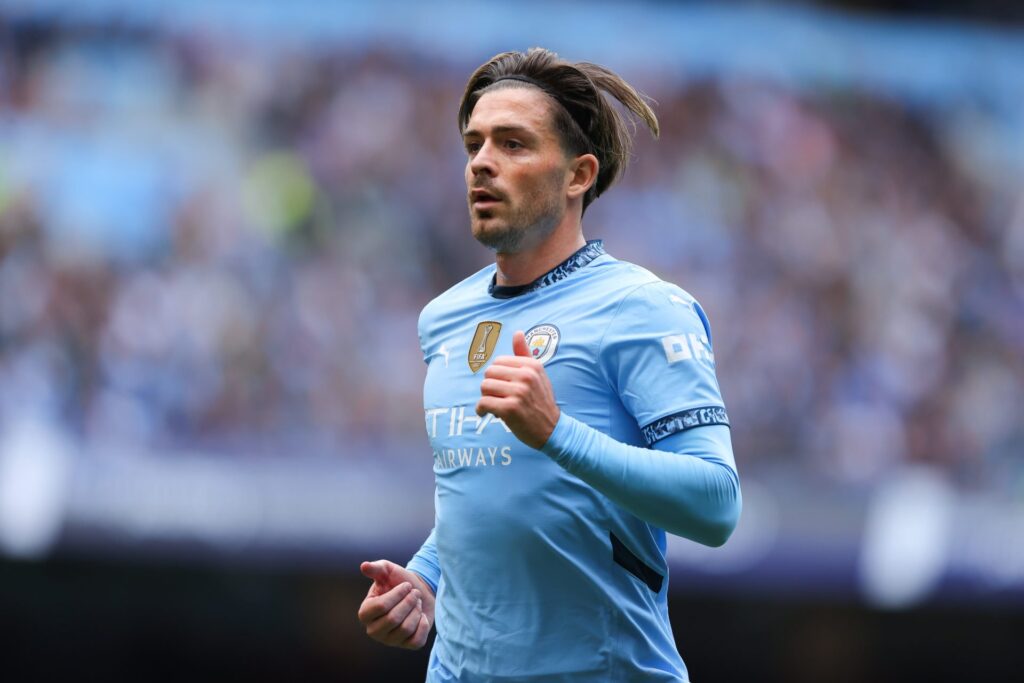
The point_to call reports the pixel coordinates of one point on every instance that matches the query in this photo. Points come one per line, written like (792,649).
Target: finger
(512,361)
(374,608)
(387,623)
(378,571)
(497,387)
(419,639)
(519,346)
(495,405)
(408,626)
(508,373)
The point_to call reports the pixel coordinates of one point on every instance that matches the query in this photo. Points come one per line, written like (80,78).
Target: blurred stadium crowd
(221,244)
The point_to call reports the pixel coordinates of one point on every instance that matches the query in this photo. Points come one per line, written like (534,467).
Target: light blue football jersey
(542,578)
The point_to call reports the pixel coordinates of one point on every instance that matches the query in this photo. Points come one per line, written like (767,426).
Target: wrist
(421,583)
(560,433)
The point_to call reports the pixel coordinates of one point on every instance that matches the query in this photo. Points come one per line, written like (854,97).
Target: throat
(524,267)
(563,269)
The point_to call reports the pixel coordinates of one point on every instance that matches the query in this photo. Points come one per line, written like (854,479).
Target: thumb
(519,346)
(378,571)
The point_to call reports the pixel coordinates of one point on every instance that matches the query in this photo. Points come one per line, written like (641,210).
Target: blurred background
(218,224)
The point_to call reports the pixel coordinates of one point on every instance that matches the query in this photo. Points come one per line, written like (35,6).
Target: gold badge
(484,341)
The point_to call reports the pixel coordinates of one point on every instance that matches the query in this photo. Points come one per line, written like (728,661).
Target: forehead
(527,107)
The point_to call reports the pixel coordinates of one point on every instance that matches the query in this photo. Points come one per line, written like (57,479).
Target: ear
(583,174)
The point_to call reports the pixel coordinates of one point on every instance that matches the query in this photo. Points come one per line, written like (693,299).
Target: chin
(487,228)
(497,237)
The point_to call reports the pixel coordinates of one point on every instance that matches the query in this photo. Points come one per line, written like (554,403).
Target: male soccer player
(571,404)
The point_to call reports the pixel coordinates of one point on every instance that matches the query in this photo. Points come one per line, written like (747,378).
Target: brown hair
(585,120)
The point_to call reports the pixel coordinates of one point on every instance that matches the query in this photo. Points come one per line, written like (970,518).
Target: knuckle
(413,642)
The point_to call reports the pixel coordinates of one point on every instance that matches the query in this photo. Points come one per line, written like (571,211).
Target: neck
(523,267)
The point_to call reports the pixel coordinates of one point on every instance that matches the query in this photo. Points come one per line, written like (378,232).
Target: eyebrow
(510,128)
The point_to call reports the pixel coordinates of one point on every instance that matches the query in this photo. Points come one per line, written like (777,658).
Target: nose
(483,162)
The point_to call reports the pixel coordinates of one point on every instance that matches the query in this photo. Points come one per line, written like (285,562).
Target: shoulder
(656,351)
(646,301)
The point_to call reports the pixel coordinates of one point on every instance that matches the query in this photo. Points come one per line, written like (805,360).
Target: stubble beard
(524,228)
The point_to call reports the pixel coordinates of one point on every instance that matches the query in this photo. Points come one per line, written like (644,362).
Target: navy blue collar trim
(587,253)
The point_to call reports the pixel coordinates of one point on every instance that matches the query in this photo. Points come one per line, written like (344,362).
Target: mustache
(486,188)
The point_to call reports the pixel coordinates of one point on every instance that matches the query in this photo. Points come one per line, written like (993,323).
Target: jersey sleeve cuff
(430,575)
(559,446)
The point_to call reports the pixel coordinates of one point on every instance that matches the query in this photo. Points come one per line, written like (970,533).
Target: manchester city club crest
(542,341)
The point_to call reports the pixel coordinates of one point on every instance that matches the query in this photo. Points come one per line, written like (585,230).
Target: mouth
(483,199)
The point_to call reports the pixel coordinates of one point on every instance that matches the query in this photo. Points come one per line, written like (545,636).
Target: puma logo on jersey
(444,353)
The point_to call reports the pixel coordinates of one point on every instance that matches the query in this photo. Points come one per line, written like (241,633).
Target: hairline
(556,112)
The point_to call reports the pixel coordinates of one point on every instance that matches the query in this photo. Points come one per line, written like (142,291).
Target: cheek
(529,184)
(545,185)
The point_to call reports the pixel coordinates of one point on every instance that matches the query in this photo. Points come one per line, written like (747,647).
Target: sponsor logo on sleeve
(680,347)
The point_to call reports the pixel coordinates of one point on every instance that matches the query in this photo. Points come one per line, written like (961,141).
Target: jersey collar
(584,255)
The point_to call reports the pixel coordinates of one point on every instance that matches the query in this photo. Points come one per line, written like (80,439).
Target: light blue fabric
(530,584)
(696,496)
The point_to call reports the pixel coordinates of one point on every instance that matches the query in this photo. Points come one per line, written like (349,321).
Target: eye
(513,144)
(472,147)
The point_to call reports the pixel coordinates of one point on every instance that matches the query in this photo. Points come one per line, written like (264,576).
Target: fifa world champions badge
(542,341)
(484,341)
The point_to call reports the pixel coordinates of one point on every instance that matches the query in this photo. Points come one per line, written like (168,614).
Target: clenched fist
(517,389)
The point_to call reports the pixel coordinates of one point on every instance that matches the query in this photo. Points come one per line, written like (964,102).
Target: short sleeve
(657,354)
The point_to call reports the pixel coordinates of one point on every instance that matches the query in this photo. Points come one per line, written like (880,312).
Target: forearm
(692,492)
(425,563)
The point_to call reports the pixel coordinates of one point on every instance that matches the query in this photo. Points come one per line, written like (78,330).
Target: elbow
(717,534)
(723,522)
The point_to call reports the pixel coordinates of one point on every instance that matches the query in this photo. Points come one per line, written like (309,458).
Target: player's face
(517,173)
